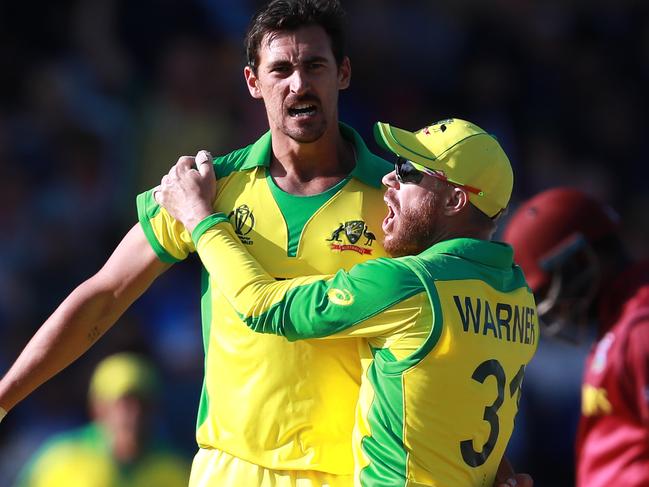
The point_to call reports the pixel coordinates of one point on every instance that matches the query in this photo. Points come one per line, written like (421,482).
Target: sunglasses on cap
(409,172)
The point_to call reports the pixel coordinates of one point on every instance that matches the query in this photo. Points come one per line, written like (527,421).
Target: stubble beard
(305,135)
(415,230)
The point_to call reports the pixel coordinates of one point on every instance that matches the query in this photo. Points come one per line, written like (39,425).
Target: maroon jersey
(613,437)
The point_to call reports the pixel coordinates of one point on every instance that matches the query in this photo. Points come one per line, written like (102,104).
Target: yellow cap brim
(402,143)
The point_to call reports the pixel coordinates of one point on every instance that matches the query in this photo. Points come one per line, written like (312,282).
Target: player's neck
(126,447)
(312,168)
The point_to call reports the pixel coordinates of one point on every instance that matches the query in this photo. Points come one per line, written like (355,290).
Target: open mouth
(302,110)
(389,217)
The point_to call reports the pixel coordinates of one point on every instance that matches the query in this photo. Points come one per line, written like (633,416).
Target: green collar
(491,253)
(370,168)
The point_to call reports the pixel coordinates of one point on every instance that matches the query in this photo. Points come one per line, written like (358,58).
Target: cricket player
(449,325)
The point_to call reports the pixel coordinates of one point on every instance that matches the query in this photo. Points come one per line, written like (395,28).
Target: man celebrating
(449,325)
(568,245)
(287,194)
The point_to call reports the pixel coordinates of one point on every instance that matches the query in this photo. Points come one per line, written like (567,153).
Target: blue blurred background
(98,98)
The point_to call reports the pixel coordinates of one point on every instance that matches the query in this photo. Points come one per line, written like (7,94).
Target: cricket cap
(123,374)
(553,225)
(463,152)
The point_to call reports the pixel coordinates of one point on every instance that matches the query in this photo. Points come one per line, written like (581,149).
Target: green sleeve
(352,303)
(307,307)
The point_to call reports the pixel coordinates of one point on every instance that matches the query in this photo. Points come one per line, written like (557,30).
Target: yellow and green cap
(463,152)
(123,374)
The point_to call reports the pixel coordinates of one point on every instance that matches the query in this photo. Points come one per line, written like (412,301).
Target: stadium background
(99,97)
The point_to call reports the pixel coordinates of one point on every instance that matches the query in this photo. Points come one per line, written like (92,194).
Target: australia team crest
(352,235)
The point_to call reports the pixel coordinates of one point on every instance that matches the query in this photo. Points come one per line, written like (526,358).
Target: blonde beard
(415,230)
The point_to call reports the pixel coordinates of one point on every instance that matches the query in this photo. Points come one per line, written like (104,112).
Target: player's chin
(394,246)
(303,131)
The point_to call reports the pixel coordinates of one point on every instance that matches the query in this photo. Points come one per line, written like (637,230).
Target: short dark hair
(290,15)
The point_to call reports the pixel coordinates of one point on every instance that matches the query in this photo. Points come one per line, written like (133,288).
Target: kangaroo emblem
(335,236)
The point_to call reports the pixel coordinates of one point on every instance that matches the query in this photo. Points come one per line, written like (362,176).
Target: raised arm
(377,298)
(83,317)
(358,303)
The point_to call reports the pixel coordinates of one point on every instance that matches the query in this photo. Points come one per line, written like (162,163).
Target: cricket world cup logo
(243,222)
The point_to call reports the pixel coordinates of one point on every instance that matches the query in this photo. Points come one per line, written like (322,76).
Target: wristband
(3,413)
(205,224)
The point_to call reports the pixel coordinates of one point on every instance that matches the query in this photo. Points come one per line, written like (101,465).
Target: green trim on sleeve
(147,208)
(396,367)
(206,223)
(327,307)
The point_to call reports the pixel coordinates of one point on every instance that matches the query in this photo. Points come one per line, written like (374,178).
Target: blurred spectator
(118,448)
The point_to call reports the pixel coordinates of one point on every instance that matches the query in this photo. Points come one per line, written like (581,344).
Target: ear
(456,200)
(252,82)
(344,73)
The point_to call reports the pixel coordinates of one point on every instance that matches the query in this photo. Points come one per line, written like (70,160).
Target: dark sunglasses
(409,172)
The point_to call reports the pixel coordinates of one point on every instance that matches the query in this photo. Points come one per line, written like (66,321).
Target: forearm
(255,295)
(339,306)
(75,326)
(83,317)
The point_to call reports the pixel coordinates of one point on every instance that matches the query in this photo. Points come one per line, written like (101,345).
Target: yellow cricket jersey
(82,457)
(285,406)
(450,333)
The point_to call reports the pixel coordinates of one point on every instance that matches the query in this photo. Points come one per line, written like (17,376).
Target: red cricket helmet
(549,223)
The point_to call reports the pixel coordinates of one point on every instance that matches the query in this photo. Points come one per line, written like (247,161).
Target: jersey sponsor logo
(503,321)
(243,222)
(341,297)
(594,401)
(353,231)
